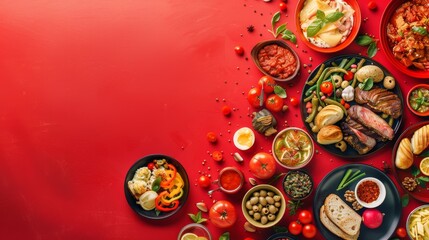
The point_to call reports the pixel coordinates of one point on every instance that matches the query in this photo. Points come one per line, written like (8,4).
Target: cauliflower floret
(143,174)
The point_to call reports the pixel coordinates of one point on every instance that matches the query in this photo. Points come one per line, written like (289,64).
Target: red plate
(419,193)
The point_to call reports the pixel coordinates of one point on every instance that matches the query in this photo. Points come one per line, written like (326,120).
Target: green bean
(343,63)
(308,98)
(333,102)
(333,70)
(360,64)
(310,90)
(334,64)
(315,105)
(319,72)
(353,60)
(319,82)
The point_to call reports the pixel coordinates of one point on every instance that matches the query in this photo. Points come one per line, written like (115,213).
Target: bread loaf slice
(420,140)
(342,215)
(333,228)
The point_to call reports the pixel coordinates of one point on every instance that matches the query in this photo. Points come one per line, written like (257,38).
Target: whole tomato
(204,181)
(267,83)
(295,227)
(401,232)
(327,88)
(222,214)
(305,217)
(254,97)
(274,103)
(239,50)
(309,231)
(262,165)
(283,6)
(294,101)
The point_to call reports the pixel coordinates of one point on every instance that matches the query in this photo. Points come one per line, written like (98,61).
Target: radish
(372,218)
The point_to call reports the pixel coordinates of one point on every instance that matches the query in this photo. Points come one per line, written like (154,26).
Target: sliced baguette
(333,228)
(342,215)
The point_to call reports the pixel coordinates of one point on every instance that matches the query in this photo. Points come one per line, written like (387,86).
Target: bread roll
(329,134)
(420,140)
(329,115)
(404,155)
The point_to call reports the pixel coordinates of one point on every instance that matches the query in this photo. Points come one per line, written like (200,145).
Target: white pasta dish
(326,23)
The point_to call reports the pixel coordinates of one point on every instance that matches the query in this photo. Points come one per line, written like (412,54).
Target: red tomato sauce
(368,191)
(230,180)
(277,61)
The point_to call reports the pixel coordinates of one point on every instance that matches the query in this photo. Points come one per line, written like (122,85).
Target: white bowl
(380,198)
(242,132)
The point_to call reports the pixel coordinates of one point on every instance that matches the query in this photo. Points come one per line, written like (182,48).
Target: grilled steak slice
(370,133)
(380,100)
(357,139)
(371,120)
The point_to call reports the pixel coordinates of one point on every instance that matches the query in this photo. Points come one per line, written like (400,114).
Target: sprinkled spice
(297,184)
(368,191)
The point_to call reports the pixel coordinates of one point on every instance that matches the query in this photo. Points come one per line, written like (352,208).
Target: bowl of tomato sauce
(230,180)
(418,100)
(276,59)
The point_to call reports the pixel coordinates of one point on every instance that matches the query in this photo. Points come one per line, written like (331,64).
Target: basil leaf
(288,35)
(424,179)
(320,14)
(280,91)
(314,27)
(156,184)
(421,183)
(424,154)
(280,29)
(332,17)
(420,30)
(293,38)
(405,199)
(364,40)
(367,84)
(415,171)
(275,18)
(372,49)
(224,236)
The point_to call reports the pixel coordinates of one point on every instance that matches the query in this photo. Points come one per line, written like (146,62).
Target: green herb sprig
(285,33)
(365,40)
(367,84)
(421,180)
(420,30)
(197,218)
(224,236)
(321,20)
(293,206)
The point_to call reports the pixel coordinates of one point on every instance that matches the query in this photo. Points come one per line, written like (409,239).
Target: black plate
(350,152)
(144,162)
(391,206)
(281,235)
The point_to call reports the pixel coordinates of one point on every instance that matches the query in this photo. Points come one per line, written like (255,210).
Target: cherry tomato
(348,76)
(294,101)
(295,228)
(254,97)
(151,166)
(239,50)
(204,181)
(267,83)
(401,232)
(217,156)
(222,214)
(226,110)
(305,217)
(274,103)
(327,88)
(309,231)
(283,6)
(211,137)
(372,5)
(262,165)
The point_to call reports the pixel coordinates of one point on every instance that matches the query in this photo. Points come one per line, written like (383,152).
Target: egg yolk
(245,138)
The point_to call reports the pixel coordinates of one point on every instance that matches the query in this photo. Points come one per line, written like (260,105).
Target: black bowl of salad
(156,186)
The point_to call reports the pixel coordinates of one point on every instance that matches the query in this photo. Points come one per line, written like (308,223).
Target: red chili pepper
(166,183)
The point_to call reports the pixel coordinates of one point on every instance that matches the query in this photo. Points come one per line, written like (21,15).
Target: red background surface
(89,87)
